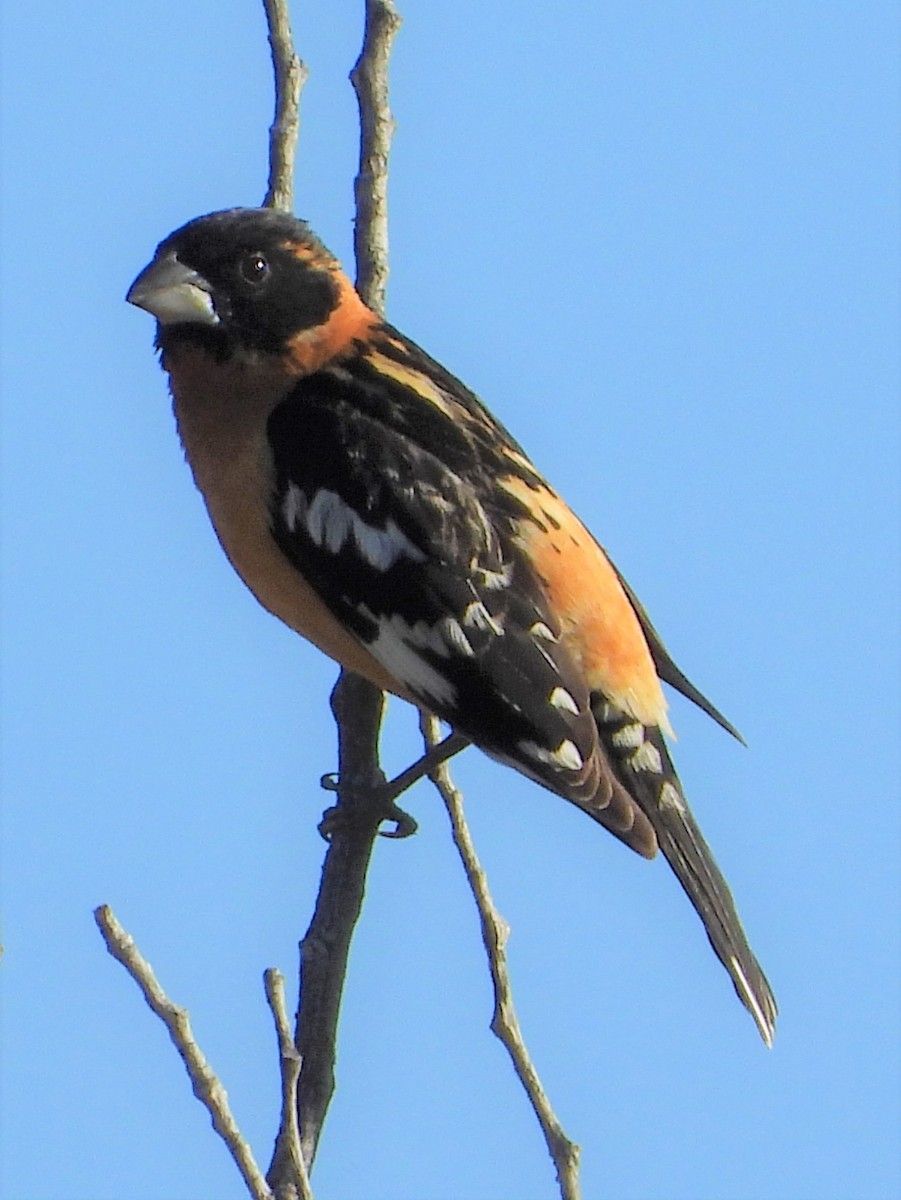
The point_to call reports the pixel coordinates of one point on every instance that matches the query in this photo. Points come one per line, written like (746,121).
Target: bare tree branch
(364,799)
(290,76)
(207,1088)
(357,705)
(504,1022)
(288,1172)
(370,80)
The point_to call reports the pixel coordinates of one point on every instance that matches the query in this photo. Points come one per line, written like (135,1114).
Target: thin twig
(207,1087)
(357,705)
(287,1174)
(290,76)
(504,1022)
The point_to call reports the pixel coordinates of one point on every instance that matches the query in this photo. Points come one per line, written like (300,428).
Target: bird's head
(248,282)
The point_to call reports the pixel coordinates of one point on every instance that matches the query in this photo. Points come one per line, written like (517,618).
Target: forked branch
(356,704)
(363,798)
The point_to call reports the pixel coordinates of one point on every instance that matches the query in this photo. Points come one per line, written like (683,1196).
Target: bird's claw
(404,825)
(364,805)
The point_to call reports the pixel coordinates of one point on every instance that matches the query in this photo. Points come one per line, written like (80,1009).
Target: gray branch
(370,81)
(357,705)
(207,1088)
(288,1172)
(504,1022)
(290,76)
(364,800)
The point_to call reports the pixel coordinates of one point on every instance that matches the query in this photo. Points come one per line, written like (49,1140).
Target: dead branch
(290,76)
(357,705)
(364,799)
(504,1022)
(207,1088)
(370,81)
(288,1172)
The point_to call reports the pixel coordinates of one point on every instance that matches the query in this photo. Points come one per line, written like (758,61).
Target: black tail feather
(642,764)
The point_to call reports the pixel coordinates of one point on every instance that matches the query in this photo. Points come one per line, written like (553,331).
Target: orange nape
(349,321)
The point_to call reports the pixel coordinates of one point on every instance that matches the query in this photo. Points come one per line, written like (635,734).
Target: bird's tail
(644,770)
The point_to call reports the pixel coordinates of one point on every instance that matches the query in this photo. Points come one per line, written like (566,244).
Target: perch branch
(290,76)
(357,707)
(207,1087)
(356,704)
(504,1022)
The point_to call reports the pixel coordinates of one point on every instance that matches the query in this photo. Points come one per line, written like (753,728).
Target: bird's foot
(364,806)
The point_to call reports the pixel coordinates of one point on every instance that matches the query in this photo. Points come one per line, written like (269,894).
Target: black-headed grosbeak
(368,499)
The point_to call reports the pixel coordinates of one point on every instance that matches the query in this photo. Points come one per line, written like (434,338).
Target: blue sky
(661,241)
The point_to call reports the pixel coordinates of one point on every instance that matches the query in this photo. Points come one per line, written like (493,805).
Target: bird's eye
(254,268)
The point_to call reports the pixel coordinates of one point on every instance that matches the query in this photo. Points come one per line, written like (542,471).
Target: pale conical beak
(173,293)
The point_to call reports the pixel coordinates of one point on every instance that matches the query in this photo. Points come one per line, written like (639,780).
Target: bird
(373,503)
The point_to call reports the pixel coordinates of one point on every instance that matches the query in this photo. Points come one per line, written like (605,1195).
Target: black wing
(418,561)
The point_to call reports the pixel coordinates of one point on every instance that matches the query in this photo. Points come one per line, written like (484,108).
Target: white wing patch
(330,522)
(294,506)
(646,758)
(629,737)
(477,616)
(452,631)
(562,700)
(540,630)
(397,647)
(565,756)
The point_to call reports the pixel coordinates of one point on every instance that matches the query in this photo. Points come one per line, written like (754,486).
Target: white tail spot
(764,1020)
(670,798)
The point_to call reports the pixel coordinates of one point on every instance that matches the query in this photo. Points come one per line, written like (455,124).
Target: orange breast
(221,412)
